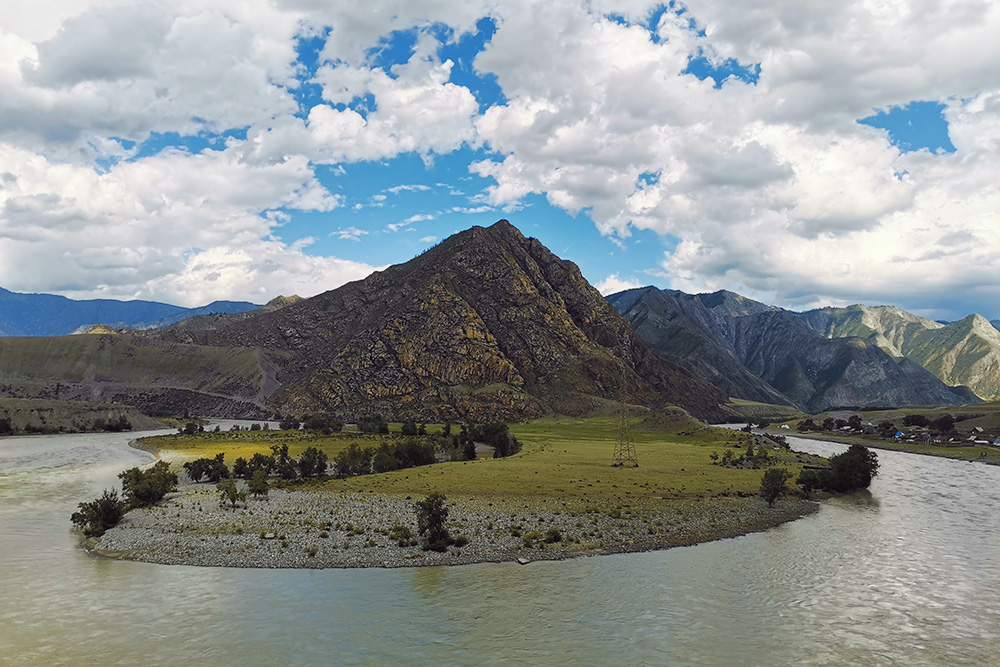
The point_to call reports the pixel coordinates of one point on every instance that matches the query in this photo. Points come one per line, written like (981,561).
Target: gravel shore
(318,530)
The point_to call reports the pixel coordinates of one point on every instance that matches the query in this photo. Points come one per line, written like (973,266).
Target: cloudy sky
(800,153)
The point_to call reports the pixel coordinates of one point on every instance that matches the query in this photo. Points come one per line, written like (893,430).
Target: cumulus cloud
(613,284)
(771,188)
(178,227)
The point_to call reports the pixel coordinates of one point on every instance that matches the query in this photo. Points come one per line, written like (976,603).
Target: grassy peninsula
(558,497)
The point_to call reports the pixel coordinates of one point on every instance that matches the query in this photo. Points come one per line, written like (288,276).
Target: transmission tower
(624,449)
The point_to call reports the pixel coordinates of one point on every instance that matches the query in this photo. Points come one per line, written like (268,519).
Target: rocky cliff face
(966,352)
(756,351)
(488,325)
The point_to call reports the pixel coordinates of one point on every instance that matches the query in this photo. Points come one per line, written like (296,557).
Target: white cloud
(396,189)
(177,227)
(613,284)
(429,239)
(772,189)
(349,234)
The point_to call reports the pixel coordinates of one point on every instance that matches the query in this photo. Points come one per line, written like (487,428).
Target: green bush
(229,492)
(99,515)
(142,488)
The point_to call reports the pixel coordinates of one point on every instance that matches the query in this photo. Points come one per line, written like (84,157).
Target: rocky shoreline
(309,529)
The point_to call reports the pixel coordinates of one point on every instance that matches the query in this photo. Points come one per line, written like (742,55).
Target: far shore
(906,448)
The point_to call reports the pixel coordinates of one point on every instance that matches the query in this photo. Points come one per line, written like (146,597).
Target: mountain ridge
(28,314)
(729,338)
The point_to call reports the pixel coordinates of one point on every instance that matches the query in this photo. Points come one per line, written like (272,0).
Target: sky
(803,154)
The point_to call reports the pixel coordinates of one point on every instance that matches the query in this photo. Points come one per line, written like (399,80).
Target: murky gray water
(908,575)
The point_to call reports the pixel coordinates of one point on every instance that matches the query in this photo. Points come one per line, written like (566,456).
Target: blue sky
(241,150)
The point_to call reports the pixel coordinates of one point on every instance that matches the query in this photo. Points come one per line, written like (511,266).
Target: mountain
(757,352)
(486,326)
(966,352)
(52,315)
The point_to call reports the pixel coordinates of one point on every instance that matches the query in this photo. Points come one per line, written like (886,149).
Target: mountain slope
(725,338)
(679,327)
(488,325)
(51,315)
(966,352)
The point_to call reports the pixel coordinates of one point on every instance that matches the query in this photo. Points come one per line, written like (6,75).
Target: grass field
(567,461)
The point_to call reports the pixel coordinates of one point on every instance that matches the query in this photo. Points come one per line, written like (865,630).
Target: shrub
(141,488)
(229,492)
(99,515)
(552,535)
(402,535)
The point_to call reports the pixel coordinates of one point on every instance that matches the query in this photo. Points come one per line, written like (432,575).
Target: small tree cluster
(323,423)
(212,470)
(99,515)
(850,471)
(312,463)
(375,424)
(409,453)
(142,488)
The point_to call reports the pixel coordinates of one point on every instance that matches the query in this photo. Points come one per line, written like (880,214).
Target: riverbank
(307,529)
(958,453)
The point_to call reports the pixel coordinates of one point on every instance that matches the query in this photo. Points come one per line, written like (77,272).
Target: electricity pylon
(624,449)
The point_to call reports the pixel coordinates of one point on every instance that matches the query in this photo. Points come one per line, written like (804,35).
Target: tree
(914,420)
(241,469)
(99,515)
(229,492)
(142,488)
(432,514)
(828,424)
(854,421)
(213,469)
(944,424)
(773,484)
(353,461)
(258,485)
(409,428)
(850,471)
(312,463)
(5,427)
(289,424)
(806,425)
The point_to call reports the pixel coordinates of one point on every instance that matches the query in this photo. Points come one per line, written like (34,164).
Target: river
(908,574)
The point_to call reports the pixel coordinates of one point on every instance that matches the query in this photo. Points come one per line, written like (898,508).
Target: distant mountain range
(966,352)
(858,356)
(51,315)
(489,326)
